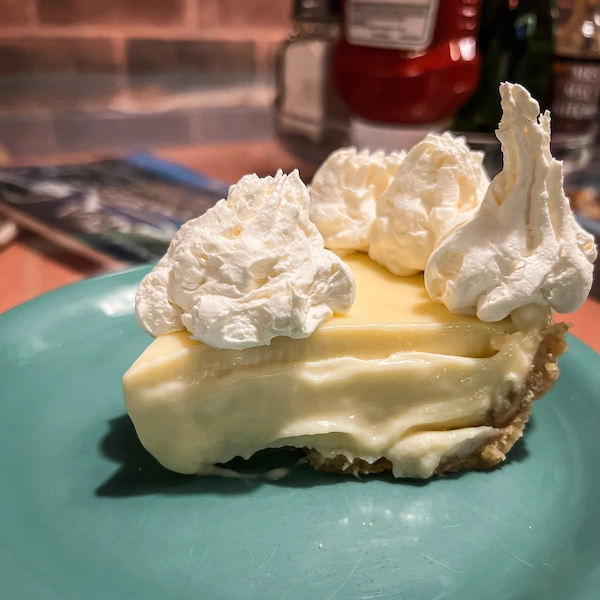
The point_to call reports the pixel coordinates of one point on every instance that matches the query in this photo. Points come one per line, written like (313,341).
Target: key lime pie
(397,316)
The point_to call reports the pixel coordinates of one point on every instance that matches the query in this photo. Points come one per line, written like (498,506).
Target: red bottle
(407,61)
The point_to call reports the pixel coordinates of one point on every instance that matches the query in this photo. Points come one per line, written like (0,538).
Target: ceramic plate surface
(87,514)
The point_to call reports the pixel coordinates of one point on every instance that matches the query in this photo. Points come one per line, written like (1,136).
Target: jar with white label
(407,61)
(310,119)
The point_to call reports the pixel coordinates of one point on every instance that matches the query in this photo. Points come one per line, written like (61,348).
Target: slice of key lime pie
(418,348)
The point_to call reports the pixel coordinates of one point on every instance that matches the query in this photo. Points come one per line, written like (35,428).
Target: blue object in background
(128,209)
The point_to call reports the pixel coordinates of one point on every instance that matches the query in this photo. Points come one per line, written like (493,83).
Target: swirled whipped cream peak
(251,268)
(344,193)
(523,245)
(436,188)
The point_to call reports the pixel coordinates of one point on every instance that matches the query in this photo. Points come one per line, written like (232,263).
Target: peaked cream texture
(344,193)
(251,268)
(523,245)
(436,188)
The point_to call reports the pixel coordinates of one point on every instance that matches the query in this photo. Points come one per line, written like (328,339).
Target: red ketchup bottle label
(407,61)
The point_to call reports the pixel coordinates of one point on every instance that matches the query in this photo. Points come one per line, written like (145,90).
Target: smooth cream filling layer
(415,390)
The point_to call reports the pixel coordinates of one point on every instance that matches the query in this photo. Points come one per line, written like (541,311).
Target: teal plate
(87,514)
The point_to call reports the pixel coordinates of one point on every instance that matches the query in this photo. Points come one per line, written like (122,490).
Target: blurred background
(121,119)
(118,75)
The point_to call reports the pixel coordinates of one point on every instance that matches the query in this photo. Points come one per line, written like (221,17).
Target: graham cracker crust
(542,376)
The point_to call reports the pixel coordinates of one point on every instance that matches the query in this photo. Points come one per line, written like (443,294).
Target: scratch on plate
(472,543)
(520,559)
(441,564)
(547,565)
(371,597)
(190,556)
(205,552)
(485,513)
(450,526)
(348,577)
(403,496)
(270,557)
(346,499)
(443,594)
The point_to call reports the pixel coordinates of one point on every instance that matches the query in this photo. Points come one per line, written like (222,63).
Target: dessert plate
(87,513)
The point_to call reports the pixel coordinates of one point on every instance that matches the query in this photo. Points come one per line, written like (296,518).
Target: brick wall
(123,75)
(140,37)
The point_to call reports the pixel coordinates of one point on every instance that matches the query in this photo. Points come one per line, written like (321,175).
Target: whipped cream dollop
(344,193)
(251,268)
(436,188)
(523,245)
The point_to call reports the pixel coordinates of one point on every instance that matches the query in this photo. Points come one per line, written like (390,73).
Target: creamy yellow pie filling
(398,377)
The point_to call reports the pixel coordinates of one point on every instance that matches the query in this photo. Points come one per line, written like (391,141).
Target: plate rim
(81,283)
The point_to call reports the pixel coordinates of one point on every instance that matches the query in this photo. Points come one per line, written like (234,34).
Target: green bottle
(516,44)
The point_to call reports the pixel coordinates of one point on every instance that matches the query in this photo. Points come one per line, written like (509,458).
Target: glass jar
(407,62)
(310,119)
